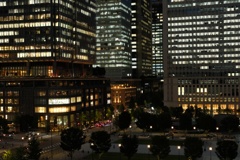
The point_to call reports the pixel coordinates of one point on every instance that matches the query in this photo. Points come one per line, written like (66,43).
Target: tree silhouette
(143,120)
(19,153)
(206,122)
(33,149)
(230,123)
(160,146)
(129,145)
(185,121)
(71,140)
(125,120)
(100,142)
(227,149)
(193,148)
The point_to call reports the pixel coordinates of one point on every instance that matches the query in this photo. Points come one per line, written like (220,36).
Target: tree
(132,103)
(230,123)
(160,147)
(206,122)
(193,148)
(185,121)
(125,120)
(164,121)
(20,153)
(100,142)
(176,111)
(227,149)
(72,139)
(143,120)
(7,155)
(33,149)
(129,145)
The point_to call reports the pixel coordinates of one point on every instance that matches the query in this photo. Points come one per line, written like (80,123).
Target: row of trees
(100,143)
(163,121)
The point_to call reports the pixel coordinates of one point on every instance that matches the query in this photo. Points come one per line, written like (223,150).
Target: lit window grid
(187,36)
(195,43)
(41,18)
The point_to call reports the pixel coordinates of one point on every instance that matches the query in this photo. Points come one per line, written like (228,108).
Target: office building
(141,38)
(157,33)
(47,49)
(113,48)
(201,54)
(121,94)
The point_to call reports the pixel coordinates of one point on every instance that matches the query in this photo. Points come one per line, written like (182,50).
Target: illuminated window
(59,109)
(40,110)
(73,108)
(79,99)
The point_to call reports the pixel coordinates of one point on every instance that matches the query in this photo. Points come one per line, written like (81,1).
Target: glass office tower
(46,37)
(114,37)
(157,42)
(201,54)
(141,38)
(47,48)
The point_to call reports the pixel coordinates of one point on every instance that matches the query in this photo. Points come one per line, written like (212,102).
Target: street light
(92,149)
(194,128)
(130,127)
(210,150)
(148,146)
(119,145)
(217,132)
(178,147)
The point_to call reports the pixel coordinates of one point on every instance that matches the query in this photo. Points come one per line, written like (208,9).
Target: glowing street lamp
(210,150)
(178,147)
(119,145)
(148,146)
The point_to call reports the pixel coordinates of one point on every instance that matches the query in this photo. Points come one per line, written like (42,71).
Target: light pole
(178,147)
(194,128)
(92,149)
(148,146)
(217,132)
(119,145)
(210,150)
(130,127)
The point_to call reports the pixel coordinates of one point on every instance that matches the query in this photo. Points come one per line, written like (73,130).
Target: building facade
(201,54)
(141,38)
(47,49)
(121,94)
(114,37)
(157,41)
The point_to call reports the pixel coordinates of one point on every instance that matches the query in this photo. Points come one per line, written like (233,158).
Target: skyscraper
(47,49)
(201,54)
(141,38)
(157,33)
(114,37)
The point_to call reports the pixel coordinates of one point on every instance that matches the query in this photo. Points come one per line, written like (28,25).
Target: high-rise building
(201,54)
(113,50)
(157,33)
(47,49)
(141,38)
